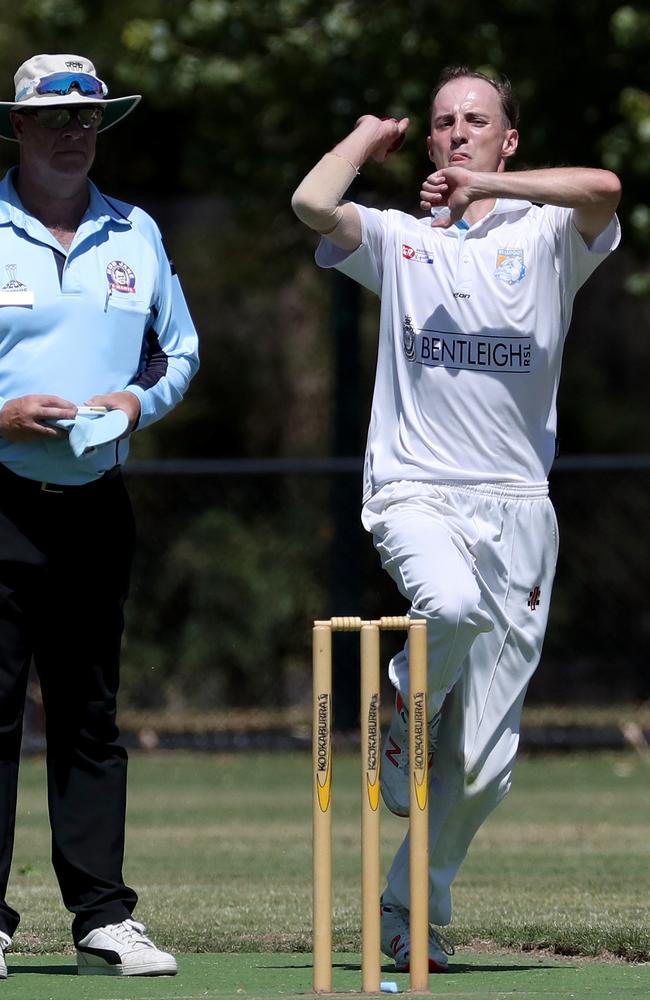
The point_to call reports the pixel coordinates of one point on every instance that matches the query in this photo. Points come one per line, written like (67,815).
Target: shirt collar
(10,204)
(503,206)
(99,209)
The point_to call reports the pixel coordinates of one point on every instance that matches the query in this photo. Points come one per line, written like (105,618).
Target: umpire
(92,315)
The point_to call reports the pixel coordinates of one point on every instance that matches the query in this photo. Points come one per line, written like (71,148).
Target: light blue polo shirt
(110,315)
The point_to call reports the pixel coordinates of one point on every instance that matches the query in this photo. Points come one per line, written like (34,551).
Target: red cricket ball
(400,139)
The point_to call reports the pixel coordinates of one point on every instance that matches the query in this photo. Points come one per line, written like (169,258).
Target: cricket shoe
(5,941)
(122,950)
(394,775)
(396,940)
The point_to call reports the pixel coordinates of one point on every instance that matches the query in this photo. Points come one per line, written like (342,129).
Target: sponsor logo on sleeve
(418,254)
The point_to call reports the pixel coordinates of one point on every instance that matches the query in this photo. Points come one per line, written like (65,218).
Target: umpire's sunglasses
(65,83)
(60,117)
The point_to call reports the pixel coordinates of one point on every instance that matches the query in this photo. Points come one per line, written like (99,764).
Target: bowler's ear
(430,149)
(510,143)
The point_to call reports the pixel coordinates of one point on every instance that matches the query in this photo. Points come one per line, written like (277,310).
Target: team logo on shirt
(12,284)
(120,277)
(510,265)
(408,337)
(418,254)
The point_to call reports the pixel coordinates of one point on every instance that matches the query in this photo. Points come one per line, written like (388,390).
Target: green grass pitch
(219,848)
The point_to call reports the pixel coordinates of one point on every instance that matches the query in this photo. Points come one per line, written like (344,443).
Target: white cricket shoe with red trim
(394,780)
(122,950)
(396,940)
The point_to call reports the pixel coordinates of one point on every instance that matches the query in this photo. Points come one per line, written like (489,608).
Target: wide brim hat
(75,74)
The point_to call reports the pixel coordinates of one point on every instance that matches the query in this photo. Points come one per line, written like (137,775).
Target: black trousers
(65,561)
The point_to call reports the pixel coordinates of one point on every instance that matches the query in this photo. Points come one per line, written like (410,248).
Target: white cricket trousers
(477,561)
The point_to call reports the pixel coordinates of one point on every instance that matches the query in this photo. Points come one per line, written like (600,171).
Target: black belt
(60,488)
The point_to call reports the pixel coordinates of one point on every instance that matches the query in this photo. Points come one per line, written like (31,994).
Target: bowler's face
(468,128)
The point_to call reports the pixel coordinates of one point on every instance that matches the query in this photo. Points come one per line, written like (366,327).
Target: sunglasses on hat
(64,83)
(60,117)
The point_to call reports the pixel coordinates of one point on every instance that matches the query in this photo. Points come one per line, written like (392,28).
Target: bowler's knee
(457,610)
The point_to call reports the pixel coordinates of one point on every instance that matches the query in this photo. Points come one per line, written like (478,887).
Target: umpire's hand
(126,401)
(24,418)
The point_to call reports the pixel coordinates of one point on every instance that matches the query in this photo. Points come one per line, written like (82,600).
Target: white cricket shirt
(471,333)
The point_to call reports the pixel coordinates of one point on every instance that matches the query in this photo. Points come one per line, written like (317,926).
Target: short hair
(502,86)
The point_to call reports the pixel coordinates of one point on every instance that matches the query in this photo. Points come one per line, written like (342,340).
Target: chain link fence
(236,558)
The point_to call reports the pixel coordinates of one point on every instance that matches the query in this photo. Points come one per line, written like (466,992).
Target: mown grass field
(219,848)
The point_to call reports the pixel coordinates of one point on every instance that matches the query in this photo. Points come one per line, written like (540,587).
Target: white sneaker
(5,941)
(394,775)
(396,940)
(122,950)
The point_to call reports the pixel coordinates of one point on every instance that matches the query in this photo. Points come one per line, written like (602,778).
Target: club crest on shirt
(12,284)
(120,277)
(408,338)
(510,265)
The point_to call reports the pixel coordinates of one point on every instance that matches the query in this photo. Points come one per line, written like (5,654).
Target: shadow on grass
(43,970)
(454,968)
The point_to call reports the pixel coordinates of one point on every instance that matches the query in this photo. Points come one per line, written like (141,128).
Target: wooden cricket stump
(369,637)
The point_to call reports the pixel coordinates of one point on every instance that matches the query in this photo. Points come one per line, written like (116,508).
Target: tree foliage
(242,95)
(240,98)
